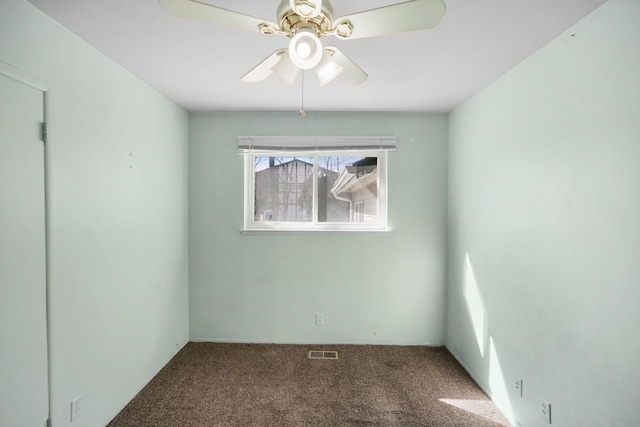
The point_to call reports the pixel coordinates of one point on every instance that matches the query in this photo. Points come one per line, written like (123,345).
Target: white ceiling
(199,66)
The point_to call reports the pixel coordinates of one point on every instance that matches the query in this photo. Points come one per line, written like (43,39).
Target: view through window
(324,191)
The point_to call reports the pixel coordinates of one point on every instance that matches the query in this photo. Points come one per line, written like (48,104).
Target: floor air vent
(323,354)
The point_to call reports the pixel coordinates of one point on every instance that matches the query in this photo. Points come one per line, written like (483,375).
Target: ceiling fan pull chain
(302,112)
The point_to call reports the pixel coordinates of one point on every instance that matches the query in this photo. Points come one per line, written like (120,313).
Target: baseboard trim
(179,346)
(315,342)
(480,384)
(484,388)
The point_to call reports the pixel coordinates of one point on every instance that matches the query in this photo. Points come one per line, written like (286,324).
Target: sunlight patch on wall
(475,305)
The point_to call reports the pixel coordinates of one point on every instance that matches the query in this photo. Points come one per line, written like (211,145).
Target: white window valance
(321,143)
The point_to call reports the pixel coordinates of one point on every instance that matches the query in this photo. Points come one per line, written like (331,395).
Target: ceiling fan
(305,22)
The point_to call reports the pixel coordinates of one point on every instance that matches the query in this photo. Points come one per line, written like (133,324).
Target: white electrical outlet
(545,410)
(319,319)
(76,407)
(517,383)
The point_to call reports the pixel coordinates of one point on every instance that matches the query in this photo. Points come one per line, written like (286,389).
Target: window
(301,187)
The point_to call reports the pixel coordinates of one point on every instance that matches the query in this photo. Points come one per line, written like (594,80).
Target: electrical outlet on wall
(319,319)
(545,410)
(517,383)
(76,407)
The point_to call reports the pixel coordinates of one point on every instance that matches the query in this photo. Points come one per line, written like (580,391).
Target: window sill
(259,231)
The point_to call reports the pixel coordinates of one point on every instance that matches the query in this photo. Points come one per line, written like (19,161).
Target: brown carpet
(209,384)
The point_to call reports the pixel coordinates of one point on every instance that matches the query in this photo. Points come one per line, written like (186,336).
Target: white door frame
(47,90)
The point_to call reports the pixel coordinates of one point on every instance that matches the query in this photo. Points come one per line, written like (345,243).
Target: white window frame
(250,225)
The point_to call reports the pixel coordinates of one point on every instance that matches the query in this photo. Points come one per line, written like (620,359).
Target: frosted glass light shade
(328,69)
(286,69)
(305,49)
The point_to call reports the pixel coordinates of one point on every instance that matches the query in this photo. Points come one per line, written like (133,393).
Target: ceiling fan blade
(398,18)
(263,69)
(204,12)
(351,75)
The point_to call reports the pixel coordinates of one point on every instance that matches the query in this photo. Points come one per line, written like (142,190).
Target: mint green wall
(117,222)
(544,199)
(372,288)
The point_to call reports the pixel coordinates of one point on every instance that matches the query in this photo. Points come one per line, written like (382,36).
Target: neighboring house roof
(357,176)
(282,165)
(285,164)
(293,161)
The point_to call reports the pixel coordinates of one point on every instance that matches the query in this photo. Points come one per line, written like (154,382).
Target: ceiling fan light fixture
(328,69)
(305,49)
(286,69)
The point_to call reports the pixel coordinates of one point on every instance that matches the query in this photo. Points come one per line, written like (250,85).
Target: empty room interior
(507,229)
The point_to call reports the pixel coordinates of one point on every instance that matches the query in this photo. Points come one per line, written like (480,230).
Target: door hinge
(44,132)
